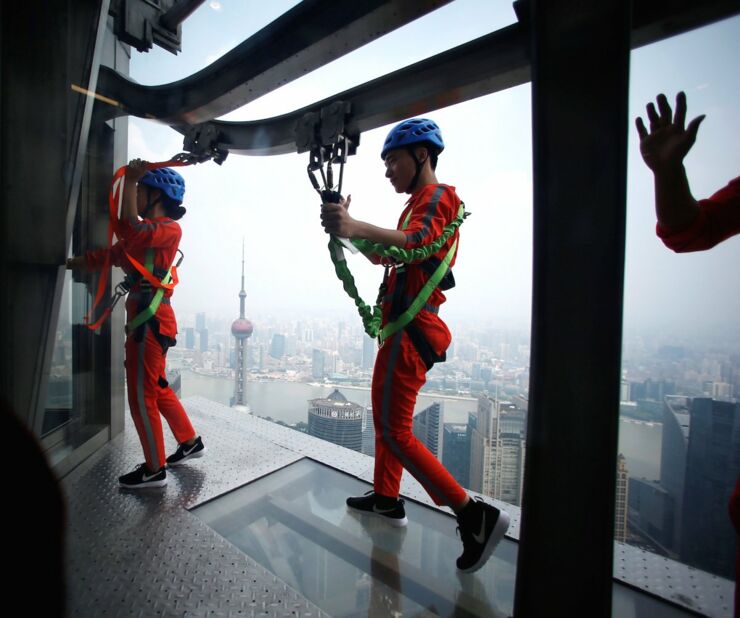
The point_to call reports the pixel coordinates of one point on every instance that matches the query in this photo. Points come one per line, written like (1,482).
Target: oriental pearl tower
(242,330)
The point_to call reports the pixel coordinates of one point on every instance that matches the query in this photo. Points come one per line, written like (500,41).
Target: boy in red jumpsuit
(410,155)
(157,200)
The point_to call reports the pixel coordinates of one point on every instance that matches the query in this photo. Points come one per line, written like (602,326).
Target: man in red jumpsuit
(684,224)
(157,199)
(410,155)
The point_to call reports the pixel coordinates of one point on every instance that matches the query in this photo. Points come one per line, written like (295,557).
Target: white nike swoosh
(191,449)
(146,477)
(481,536)
(382,511)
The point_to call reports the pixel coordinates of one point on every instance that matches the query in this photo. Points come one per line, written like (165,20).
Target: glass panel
(59,393)
(78,392)
(680,418)
(79,401)
(295,523)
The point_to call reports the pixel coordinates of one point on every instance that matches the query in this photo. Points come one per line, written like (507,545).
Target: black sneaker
(481,527)
(390,509)
(185,452)
(141,478)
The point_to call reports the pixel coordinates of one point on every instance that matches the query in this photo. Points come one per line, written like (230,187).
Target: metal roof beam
(307,37)
(489,64)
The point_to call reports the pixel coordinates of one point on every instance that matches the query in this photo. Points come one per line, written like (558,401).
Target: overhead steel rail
(310,35)
(489,64)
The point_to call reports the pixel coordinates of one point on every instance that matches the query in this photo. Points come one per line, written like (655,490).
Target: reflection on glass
(59,392)
(680,416)
(78,391)
(295,523)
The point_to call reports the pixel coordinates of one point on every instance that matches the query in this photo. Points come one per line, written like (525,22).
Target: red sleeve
(429,217)
(95,258)
(718,219)
(158,233)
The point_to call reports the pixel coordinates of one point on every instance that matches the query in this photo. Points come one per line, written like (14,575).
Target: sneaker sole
(395,522)
(150,485)
(196,455)
(498,532)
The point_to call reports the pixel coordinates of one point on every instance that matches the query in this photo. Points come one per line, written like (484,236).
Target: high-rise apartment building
(497,450)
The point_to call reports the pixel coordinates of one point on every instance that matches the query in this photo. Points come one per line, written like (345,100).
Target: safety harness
(402,312)
(399,258)
(145,273)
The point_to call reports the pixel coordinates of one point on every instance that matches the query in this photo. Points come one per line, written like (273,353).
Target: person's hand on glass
(668,141)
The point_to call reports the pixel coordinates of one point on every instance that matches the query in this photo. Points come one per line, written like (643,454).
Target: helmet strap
(149,202)
(419,167)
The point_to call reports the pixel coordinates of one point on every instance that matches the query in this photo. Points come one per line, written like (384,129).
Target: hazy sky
(269,202)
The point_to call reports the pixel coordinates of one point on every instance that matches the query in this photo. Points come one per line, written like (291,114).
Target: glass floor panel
(294,522)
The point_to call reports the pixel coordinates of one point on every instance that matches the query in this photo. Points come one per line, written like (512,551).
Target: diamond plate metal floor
(144,554)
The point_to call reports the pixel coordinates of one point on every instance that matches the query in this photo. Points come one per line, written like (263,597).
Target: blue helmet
(166,180)
(414,131)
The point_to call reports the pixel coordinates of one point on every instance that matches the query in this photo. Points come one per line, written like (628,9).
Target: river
(639,442)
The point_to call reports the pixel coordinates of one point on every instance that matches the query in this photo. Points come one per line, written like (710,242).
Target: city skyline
(687,302)
(491,366)
(488,159)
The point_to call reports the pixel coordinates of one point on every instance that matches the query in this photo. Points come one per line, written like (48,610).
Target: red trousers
(398,375)
(149,395)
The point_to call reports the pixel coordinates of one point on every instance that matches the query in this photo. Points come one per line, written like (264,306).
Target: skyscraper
(650,514)
(456,452)
(337,420)
(686,513)
(712,464)
(242,330)
(200,321)
(428,427)
(620,512)
(204,340)
(277,346)
(673,460)
(318,364)
(368,432)
(497,450)
(190,338)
